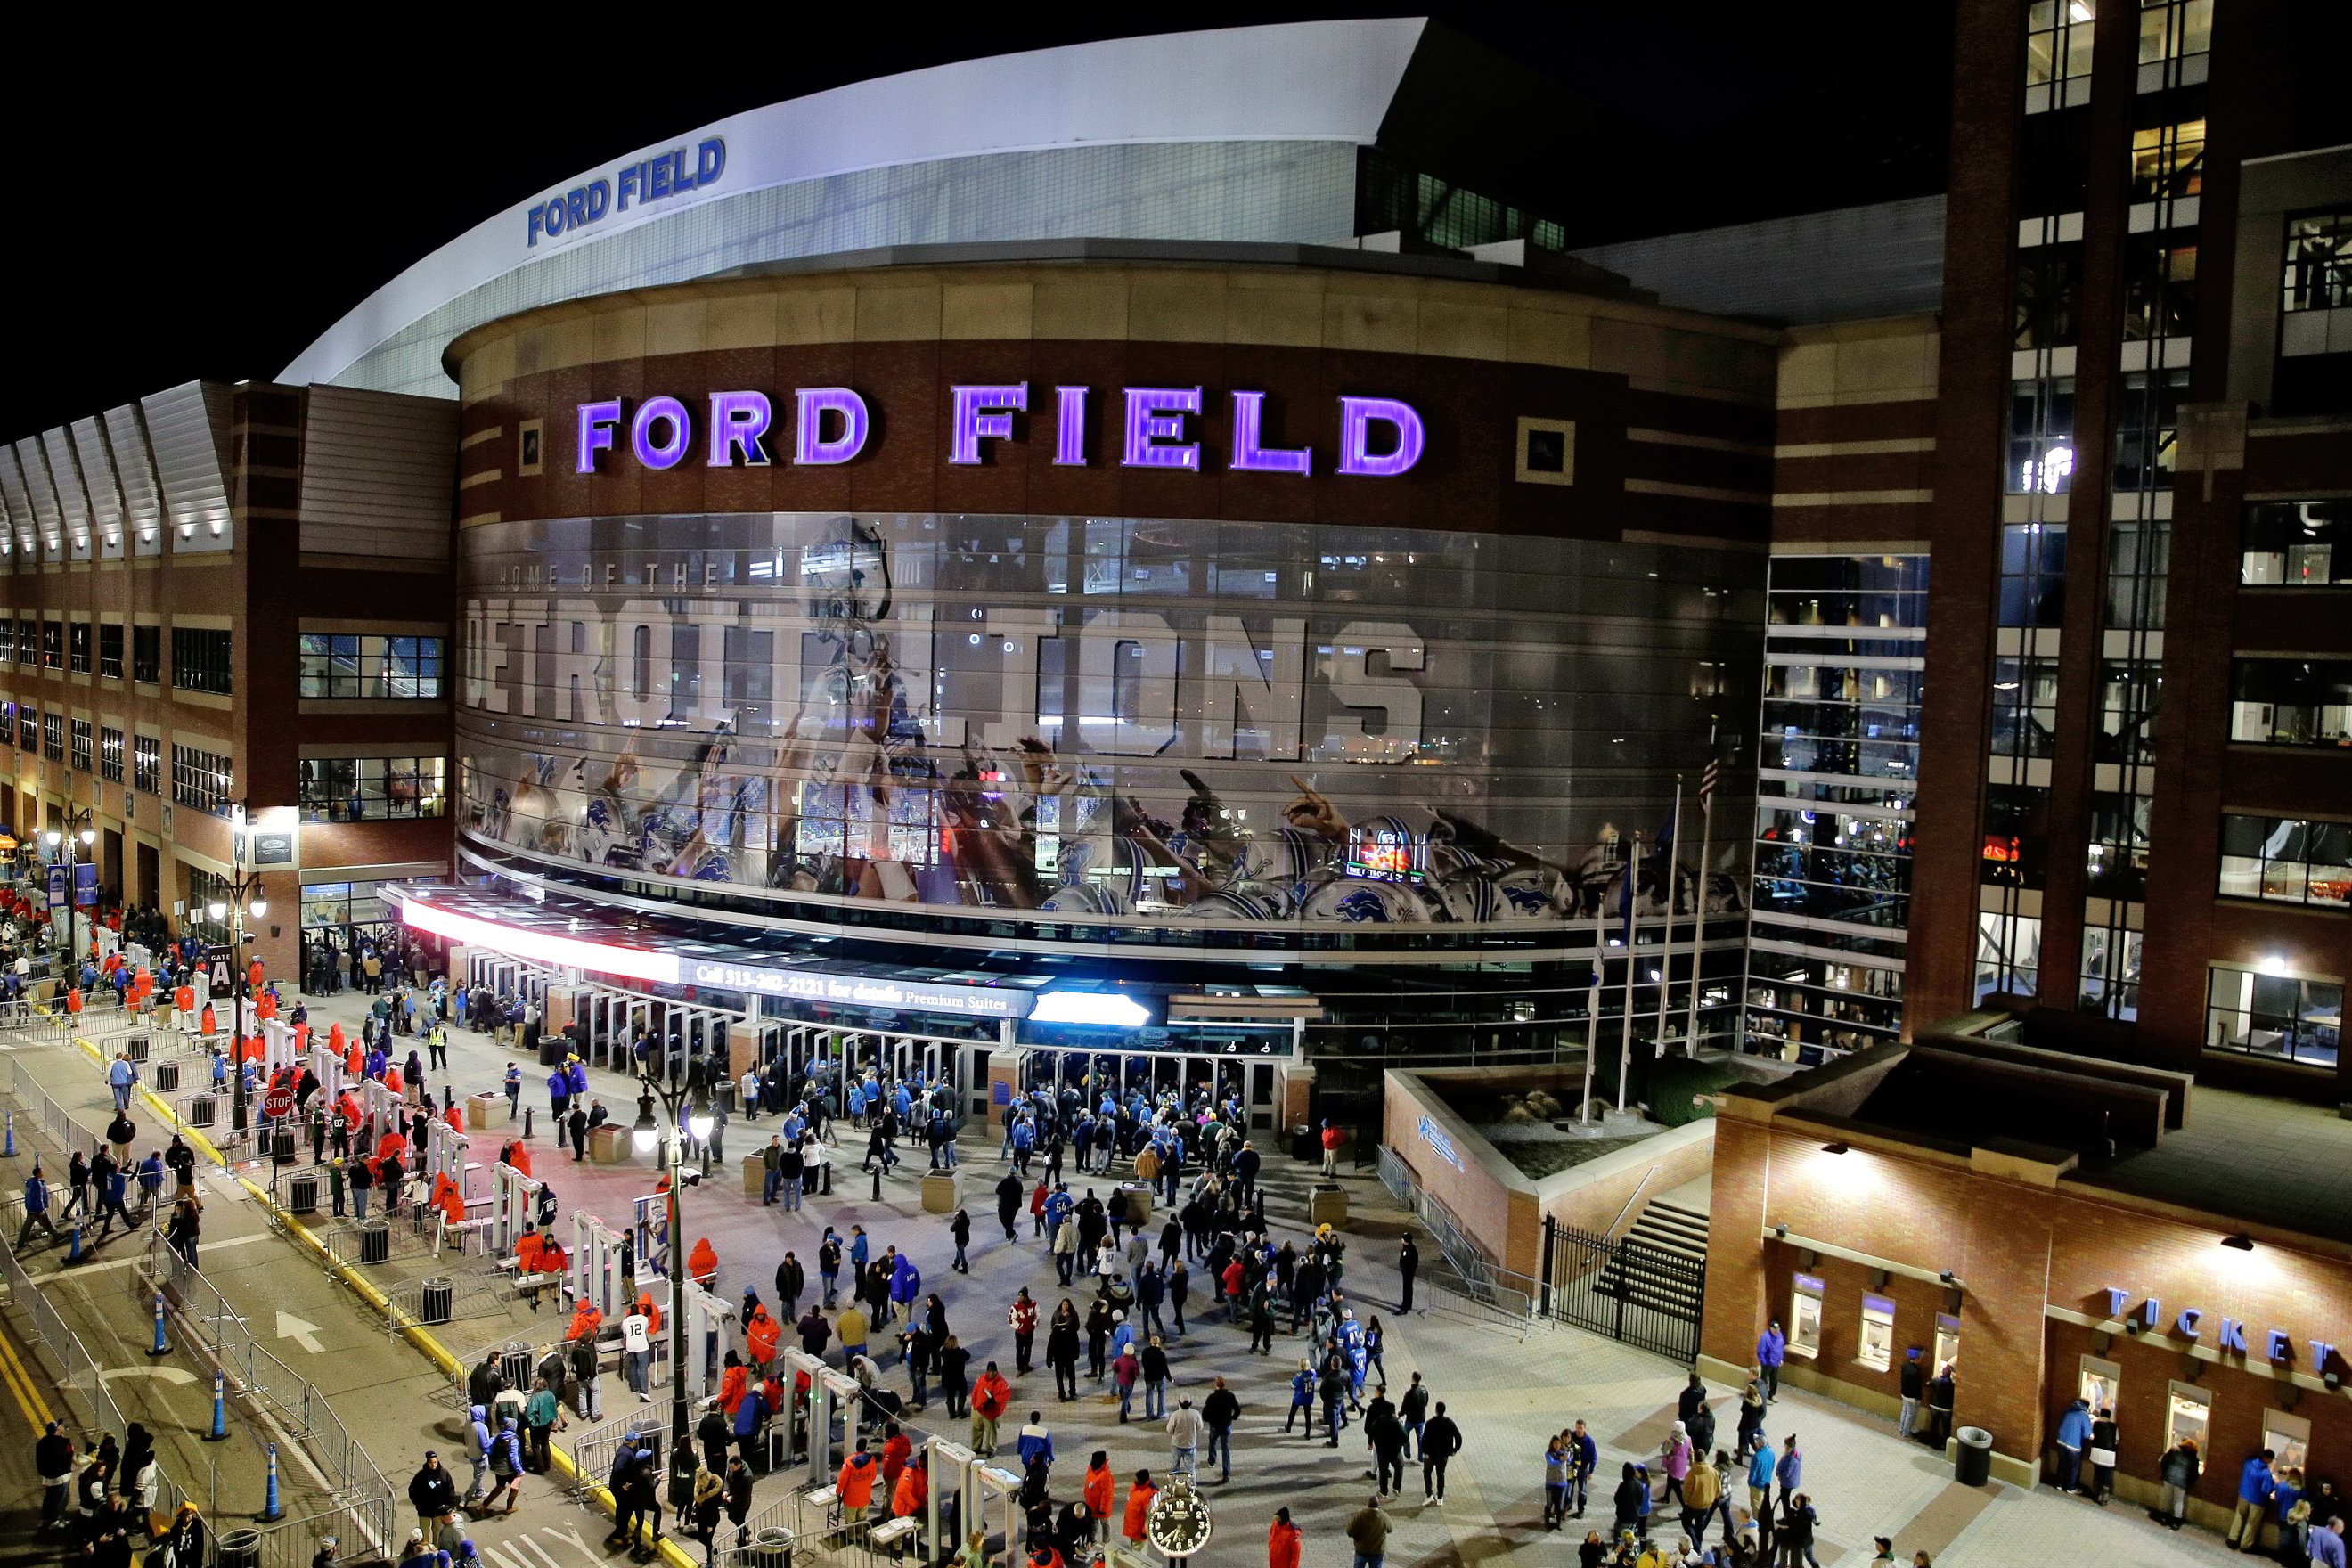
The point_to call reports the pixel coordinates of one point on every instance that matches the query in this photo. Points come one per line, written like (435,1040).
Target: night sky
(206,206)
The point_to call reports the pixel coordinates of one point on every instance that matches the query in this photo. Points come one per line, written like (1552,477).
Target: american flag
(1707,781)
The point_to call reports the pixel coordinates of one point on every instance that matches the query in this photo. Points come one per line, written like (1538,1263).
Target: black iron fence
(1638,1294)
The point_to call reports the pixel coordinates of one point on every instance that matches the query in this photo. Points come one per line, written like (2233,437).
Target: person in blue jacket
(559,1094)
(37,1208)
(1302,1396)
(1760,1470)
(2255,1489)
(1771,1349)
(2074,1436)
(1790,1471)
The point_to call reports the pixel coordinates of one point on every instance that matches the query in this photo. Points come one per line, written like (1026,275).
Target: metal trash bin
(302,1194)
(237,1549)
(550,1049)
(1305,1145)
(375,1240)
(1972,1459)
(137,1047)
(282,1145)
(167,1077)
(200,1110)
(438,1296)
(771,1547)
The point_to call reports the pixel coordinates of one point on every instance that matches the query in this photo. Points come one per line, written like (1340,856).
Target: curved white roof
(1312,82)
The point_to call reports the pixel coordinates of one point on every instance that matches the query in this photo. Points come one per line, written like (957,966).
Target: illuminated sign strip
(604,958)
(857,990)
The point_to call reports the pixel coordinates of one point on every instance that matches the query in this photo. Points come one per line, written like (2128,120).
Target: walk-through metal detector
(1092,1073)
(996,1494)
(815,1422)
(514,1207)
(846,1412)
(445,1155)
(328,1067)
(951,1500)
(706,1318)
(596,1264)
(382,1109)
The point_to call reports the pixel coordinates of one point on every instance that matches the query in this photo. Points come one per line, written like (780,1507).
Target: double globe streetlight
(244,898)
(63,842)
(689,1115)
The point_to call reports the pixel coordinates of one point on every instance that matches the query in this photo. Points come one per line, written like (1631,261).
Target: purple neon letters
(831,425)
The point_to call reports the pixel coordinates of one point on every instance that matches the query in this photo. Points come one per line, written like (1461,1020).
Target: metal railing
(363,1528)
(1487,1289)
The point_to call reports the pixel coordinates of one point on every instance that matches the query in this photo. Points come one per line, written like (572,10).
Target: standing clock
(1178,1524)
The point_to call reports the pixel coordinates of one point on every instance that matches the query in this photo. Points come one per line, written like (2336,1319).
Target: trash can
(727,1095)
(1327,1203)
(375,1240)
(1305,1145)
(518,1365)
(302,1194)
(1972,1462)
(200,1110)
(137,1045)
(167,1077)
(1139,1202)
(237,1549)
(438,1294)
(281,1144)
(769,1548)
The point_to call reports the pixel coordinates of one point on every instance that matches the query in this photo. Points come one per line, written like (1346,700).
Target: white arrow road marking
(291,1327)
(168,1374)
(546,1556)
(569,1533)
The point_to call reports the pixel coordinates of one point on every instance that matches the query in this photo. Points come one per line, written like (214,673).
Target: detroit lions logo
(1361,907)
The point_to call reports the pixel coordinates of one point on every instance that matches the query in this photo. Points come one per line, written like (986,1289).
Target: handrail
(1611,1229)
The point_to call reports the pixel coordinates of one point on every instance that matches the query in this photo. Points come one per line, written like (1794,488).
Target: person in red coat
(1139,1506)
(1281,1541)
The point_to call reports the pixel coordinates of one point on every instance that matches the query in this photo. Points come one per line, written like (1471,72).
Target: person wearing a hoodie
(477,1449)
(1761,1464)
(2074,1436)
(506,1468)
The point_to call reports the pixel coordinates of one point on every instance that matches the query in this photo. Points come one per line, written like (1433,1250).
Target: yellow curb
(413,1331)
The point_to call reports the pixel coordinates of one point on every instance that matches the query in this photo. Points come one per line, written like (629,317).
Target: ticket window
(1877,1350)
(2099,1384)
(2289,1438)
(2187,1413)
(1947,1343)
(1805,1317)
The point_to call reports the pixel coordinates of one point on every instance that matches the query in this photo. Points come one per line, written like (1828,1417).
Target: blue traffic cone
(73,1250)
(159,1347)
(10,1151)
(219,1432)
(270,1512)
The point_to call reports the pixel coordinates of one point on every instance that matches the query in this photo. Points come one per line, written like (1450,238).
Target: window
(53,645)
(2187,1416)
(206,890)
(1805,1317)
(2287,859)
(2173,30)
(110,755)
(364,789)
(200,659)
(1947,1343)
(2116,855)
(2024,707)
(2058,53)
(2016,834)
(2008,954)
(2167,161)
(370,666)
(29,641)
(2048,297)
(7,641)
(2289,1438)
(2111,966)
(2159,289)
(2292,544)
(147,655)
(7,724)
(81,746)
(2139,554)
(109,651)
(2033,574)
(2041,436)
(53,736)
(2267,1014)
(2129,690)
(2098,1382)
(146,765)
(78,647)
(201,779)
(2147,419)
(2291,701)
(1877,1350)
(2053,163)
(2319,261)
(344,903)
(28,729)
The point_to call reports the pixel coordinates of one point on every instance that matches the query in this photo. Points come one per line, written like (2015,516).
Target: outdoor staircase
(1662,1265)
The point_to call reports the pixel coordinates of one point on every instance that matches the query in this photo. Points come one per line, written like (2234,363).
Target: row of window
(369,789)
(366,664)
(2274,1016)
(334,664)
(2291,701)
(2287,859)
(31,730)
(61,645)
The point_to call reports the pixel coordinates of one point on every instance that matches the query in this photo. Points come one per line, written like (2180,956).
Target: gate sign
(56,885)
(85,882)
(217,973)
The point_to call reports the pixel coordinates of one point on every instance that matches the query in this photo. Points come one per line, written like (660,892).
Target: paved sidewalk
(1508,1393)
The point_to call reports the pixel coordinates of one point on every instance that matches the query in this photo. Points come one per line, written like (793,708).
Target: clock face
(1178,1523)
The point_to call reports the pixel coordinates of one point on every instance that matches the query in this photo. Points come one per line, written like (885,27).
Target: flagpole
(1666,942)
(1593,1003)
(1625,1035)
(1698,897)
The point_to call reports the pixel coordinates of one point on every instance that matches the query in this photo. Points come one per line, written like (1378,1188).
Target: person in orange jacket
(211,1023)
(759,1333)
(855,1484)
(1138,1505)
(649,1310)
(266,1006)
(448,1200)
(73,1000)
(897,1449)
(586,1320)
(184,1008)
(455,1115)
(1100,1485)
(518,1157)
(914,1486)
(1281,1541)
(253,973)
(392,1082)
(702,1263)
(531,1254)
(733,1383)
(347,1106)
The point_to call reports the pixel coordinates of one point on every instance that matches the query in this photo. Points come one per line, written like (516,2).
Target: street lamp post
(688,1109)
(64,842)
(244,898)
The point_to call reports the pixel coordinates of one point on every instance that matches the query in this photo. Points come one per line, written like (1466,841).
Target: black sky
(206,206)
